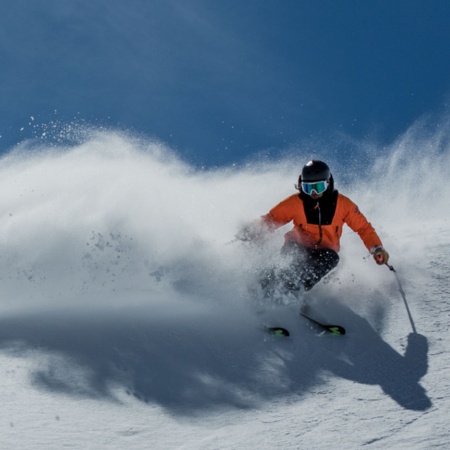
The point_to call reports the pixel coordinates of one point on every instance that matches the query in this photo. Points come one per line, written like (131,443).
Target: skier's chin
(316,196)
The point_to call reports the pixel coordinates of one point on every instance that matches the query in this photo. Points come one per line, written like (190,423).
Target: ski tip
(277,331)
(336,330)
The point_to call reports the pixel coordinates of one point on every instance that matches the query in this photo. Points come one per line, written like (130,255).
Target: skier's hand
(380,255)
(252,232)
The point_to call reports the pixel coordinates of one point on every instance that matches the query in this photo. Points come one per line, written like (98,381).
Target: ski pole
(402,292)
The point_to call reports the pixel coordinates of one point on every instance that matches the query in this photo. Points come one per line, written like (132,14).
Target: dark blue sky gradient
(223,80)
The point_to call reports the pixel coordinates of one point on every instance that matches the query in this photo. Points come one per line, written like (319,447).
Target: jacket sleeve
(281,214)
(359,224)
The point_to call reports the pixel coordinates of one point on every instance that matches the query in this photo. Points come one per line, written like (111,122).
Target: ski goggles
(319,187)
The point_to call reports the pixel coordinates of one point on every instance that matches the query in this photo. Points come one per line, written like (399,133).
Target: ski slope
(126,319)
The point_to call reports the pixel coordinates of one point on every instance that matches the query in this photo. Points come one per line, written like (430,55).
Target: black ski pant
(308,266)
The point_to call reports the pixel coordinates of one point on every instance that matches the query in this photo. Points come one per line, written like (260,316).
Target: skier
(318,213)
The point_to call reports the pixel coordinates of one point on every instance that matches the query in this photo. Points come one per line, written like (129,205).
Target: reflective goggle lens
(318,186)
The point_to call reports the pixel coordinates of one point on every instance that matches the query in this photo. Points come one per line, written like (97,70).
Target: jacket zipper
(320,225)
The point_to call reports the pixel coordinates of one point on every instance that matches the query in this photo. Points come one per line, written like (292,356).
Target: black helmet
(315,171)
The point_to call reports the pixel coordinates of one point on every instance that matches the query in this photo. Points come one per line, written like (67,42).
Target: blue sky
(221,80)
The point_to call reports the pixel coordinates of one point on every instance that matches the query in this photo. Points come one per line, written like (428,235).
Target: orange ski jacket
(321,235)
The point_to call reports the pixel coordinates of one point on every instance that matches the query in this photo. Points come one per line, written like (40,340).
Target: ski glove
(380,255)
(253,232)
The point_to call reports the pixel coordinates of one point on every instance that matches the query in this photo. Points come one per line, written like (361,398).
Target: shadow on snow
(191,364)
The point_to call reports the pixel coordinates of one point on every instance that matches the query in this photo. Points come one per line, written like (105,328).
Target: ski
(335,330)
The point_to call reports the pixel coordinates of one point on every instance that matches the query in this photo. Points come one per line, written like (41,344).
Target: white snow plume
(106,216)
(114,216)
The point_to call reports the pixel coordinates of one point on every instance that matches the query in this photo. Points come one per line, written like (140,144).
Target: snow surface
(126,319)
